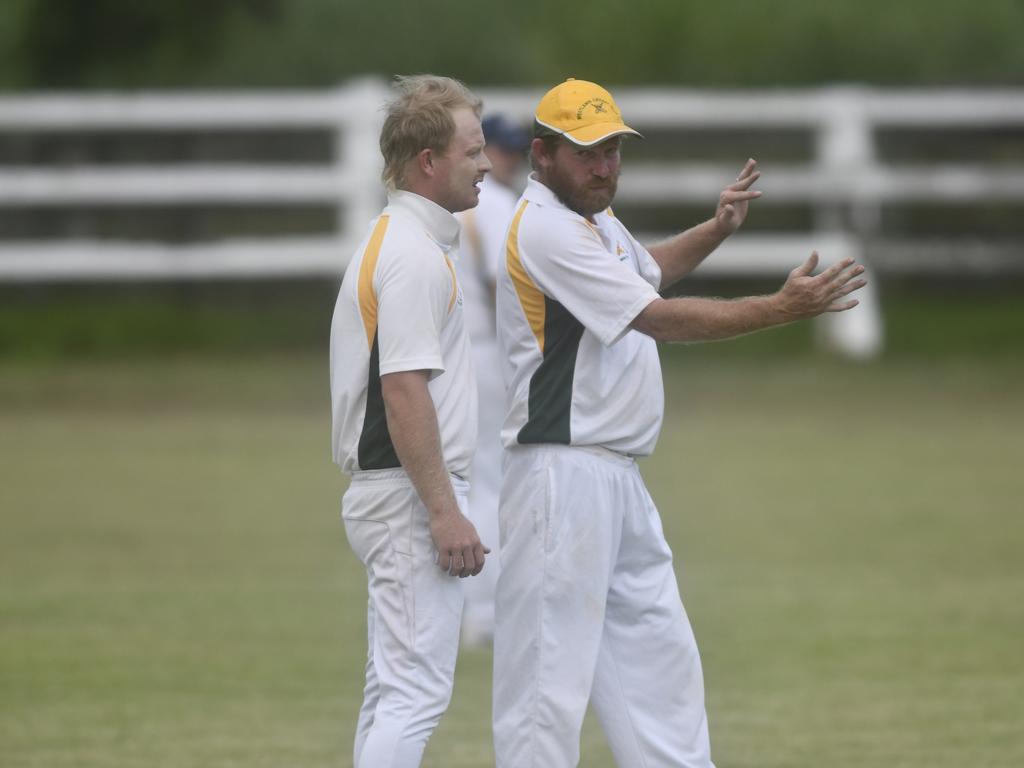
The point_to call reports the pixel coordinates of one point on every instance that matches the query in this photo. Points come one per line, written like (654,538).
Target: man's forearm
(696,319)
(412,423)
(804,295)
(678,256)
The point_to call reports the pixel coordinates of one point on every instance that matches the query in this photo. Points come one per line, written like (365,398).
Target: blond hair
(420,117)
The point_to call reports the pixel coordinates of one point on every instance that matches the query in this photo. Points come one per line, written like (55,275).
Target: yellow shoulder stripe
(530,297)
(366,295)
(455,282)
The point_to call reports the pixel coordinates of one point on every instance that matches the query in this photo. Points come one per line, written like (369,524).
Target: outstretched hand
(805,295)
(733,202)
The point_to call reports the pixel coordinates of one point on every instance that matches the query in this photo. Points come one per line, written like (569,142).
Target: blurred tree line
(81,44)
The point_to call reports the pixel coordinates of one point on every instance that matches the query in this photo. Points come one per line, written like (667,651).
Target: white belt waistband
(599,451)
(401,476)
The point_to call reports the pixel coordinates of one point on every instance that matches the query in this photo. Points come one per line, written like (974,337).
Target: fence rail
(844,181)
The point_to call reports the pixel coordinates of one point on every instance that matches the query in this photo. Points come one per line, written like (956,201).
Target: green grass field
(176,589)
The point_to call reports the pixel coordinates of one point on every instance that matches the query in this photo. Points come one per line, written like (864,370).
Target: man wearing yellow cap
(588,609)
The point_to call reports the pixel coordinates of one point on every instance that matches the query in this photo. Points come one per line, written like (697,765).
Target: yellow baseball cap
(583,112)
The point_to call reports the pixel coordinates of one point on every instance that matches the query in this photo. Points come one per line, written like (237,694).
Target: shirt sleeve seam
(621,326)
(413,364)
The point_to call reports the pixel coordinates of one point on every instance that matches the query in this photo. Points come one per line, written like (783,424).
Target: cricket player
(481,250)
(588,609)
(404,416)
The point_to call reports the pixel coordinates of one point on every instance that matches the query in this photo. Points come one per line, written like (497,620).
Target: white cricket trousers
(588,610)
(412,619)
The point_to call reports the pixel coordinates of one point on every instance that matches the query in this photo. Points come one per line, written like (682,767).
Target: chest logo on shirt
(621,252)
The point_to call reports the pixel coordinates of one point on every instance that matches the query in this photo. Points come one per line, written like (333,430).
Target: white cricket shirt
(576,373)
(400,309)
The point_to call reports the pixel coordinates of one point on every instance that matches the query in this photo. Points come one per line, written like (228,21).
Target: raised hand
(733,202)
(806,295)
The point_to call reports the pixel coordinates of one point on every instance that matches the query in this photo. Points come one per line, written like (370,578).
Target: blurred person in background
(403,402)
(481,250)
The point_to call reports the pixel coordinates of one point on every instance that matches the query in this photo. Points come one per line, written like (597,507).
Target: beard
(586,200)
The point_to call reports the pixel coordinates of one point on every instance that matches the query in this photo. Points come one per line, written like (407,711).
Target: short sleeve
(649,269)
(413,292)
(569,262)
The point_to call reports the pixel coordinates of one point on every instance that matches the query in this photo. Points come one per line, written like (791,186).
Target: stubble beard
(462,199)
(581,199)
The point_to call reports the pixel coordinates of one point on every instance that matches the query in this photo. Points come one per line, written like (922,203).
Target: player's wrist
(443,510)
(720,229)
(778,308)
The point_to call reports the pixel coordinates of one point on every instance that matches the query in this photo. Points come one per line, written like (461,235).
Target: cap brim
(595,134)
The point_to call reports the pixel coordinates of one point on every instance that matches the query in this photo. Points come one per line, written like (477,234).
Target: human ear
(538,151)
(425,161)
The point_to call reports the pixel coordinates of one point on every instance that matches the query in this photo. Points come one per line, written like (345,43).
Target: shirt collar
(441,226)
(539,193)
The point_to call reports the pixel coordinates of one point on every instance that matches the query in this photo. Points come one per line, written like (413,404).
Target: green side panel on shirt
(376,451)
(550,403)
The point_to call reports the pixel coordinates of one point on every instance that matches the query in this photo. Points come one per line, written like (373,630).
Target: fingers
(748,169)
(456,562)
(843,283)
(810,295)
(444,561)
(479,552)
(843,306)
(836,273)
(471,560)
(848,288)
(743,183)
(468,561)
(457,547)
(847,277)
(469,564)
(807,267)
(451,561)
(833,271)
(736,196)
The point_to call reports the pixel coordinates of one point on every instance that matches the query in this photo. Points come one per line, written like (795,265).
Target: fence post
(357,159)
(845,150)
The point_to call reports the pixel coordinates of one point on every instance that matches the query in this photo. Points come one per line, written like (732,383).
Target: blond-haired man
(404,416)
(588,609)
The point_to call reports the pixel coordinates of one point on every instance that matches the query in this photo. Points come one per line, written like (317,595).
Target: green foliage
(144,320)
(52,322)
(110,44)
(98,42)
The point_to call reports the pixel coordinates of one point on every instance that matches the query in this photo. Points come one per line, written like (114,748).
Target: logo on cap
(598,104)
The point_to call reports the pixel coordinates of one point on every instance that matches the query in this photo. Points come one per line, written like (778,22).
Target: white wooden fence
(845,183)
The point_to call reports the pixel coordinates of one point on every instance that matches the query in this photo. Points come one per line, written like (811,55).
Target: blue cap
(501,132)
